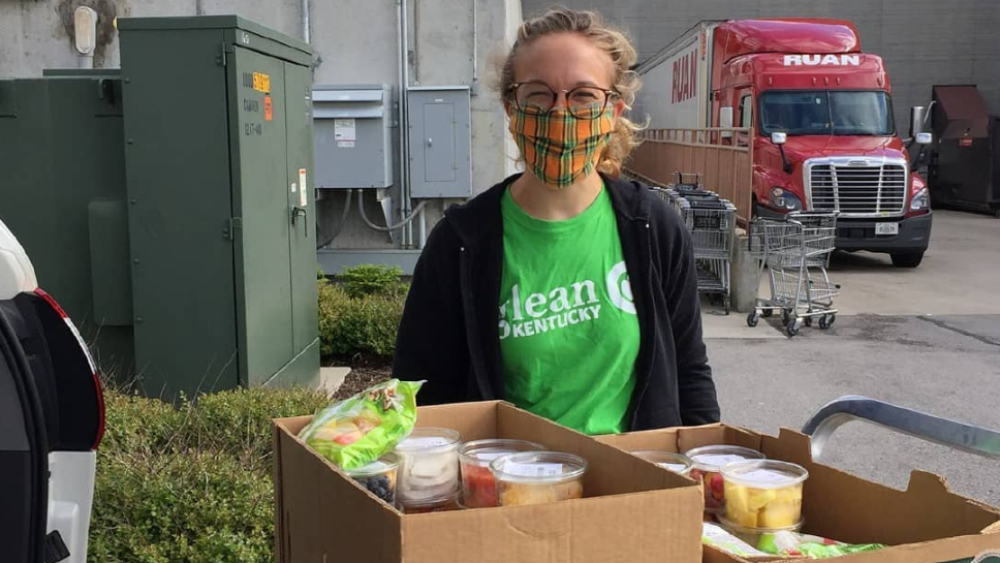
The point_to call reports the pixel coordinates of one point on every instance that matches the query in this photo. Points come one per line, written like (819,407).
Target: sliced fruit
(758,498)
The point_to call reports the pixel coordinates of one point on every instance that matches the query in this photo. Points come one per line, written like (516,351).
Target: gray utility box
(440,142)
(353,137)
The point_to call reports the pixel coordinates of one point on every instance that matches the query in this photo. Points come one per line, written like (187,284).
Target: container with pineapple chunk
(708,462)
(764,494)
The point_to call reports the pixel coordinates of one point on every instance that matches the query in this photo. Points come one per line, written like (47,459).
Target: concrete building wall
(923,42)
(356,42)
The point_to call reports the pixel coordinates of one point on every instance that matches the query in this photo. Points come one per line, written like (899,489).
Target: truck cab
(826,138)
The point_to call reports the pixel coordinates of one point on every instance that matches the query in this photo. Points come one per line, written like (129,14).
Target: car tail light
(90,360)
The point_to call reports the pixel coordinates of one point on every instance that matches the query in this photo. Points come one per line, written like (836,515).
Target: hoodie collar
(482,215)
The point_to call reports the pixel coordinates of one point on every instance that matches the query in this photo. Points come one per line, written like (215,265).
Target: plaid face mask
(559,147)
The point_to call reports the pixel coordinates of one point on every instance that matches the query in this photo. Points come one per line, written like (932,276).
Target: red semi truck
(826,138)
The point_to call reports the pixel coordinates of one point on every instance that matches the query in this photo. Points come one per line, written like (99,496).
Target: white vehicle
(675,82)
(51,421)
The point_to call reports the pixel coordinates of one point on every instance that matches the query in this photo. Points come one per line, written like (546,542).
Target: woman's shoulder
(642,200)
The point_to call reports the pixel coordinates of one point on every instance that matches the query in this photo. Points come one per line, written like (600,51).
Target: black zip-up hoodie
(450,336)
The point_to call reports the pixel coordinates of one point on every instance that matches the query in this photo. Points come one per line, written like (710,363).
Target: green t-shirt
(569,335)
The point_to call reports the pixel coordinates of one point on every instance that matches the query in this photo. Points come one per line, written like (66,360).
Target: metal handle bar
(943,431)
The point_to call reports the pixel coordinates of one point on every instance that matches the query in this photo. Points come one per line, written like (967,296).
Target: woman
(566,290)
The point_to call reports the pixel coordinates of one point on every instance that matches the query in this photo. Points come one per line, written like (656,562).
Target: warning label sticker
(345,132)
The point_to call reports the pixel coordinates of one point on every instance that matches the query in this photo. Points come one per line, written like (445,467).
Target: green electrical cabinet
(219,162)
(62,193)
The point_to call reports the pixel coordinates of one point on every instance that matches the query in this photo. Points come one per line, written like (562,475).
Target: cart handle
(943,431)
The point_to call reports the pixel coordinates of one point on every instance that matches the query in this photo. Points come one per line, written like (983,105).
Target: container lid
(765,474)
(678,463)
(429,440)
(483,452)
(381,466)
(712,458)
(535,467)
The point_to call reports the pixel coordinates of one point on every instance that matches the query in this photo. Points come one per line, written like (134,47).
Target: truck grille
(853,188)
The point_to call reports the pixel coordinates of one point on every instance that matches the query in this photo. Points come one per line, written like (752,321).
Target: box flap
(656,526)
(475,421)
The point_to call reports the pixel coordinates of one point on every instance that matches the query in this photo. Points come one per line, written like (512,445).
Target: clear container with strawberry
(479,489)
(708,464)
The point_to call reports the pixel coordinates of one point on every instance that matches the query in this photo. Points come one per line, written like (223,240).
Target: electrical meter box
(62,194)
(440,137)
(220,177)
(353,136)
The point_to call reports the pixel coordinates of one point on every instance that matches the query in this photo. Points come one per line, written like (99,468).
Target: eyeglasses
(584,102)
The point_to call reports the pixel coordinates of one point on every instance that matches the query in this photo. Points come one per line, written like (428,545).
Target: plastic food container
(443,504)
(752,536)
(379,477)
(708,462)
(479,489)
(678,463)
(428,467)
(764,494)
(538,477)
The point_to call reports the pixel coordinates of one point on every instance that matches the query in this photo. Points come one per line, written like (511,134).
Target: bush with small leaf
(365,325)
(191,483)
(370,279)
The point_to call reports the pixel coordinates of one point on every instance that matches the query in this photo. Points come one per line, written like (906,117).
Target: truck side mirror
(779,138)
(918,115)
(924,138)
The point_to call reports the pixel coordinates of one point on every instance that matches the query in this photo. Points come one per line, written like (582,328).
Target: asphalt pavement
(927,339)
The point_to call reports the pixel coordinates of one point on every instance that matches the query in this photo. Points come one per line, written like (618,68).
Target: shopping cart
(712,224)
(711,221)
(795,251)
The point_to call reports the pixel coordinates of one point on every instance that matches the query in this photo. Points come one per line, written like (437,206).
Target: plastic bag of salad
(357,431)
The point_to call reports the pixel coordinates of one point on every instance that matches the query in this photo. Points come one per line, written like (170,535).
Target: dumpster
(965,168)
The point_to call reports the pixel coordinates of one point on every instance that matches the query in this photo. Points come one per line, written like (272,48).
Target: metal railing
(722,157)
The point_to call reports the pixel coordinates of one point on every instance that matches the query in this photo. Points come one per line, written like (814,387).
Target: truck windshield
(824,112)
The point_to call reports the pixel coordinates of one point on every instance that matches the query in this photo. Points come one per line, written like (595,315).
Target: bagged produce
(715,536)
(357,431)
(813,547)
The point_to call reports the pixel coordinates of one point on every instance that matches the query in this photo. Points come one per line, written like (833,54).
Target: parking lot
(927,338)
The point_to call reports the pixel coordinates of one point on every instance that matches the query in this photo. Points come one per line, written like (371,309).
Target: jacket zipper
(472,332)
(644,364)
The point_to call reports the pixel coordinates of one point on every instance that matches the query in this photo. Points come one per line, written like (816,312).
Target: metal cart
(795,251)
(943,431)
(711,221)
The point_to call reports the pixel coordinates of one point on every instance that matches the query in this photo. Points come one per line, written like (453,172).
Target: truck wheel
(909,260)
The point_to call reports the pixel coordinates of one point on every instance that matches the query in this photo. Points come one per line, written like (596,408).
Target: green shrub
(190,484)
(358,325)
(370,279)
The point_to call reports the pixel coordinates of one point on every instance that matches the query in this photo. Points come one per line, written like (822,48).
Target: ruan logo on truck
(815,60)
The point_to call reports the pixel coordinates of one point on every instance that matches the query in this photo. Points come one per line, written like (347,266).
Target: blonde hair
(607,38)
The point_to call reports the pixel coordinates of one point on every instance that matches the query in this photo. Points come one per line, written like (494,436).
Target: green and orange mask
(558,147)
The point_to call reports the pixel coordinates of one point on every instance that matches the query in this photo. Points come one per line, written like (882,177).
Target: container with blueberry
(379,478)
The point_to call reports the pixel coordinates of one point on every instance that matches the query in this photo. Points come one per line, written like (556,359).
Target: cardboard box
(635,512)
(926,523)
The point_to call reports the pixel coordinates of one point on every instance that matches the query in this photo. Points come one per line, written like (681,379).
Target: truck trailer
(822,111)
